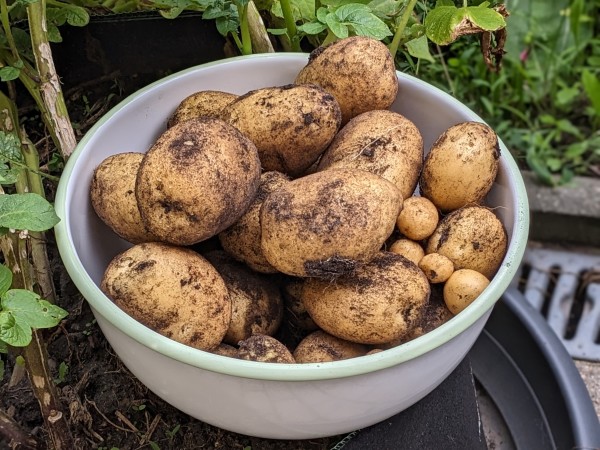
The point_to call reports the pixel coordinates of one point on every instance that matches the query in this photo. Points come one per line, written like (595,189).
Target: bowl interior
(87,245)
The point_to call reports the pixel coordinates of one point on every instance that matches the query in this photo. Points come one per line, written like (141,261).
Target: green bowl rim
(102,305)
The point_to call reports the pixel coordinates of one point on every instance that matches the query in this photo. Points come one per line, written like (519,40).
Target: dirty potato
(290,125)
(264,349)
(320,346)
(196,180)
(201,104)
(172,290)
(328,223)
(358,71)
(383,142)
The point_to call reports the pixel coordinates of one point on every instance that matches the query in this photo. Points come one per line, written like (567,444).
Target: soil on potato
(107,407)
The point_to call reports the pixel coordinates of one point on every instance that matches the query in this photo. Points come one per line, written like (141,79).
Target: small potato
(242,239)
(226,350)
(201,104)
(382,142)
(112,193)
(358,71)
(328,223)
(323,347)
(381,302)
(462,288)
(196,180)
(290,125)
(472,238)
(264,349)
(437,268)
(256,304)
(418,218)
(172,290)
(461,166)
(411,250)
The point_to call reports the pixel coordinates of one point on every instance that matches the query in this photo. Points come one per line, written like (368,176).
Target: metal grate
(565,288)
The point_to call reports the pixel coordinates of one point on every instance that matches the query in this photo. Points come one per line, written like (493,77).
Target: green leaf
(9,73)
(445,24)
(554,164)
(27,307)
(54,35)
(302,10)
(362,20)
(25,2)
(577,149)
(77,16)
(10,147)
(485,18)
(385,8)
(322,15)
(591,86)
(439,24)
(12,331)
(340,30)
(226,25)
(566,126)
(539,167)
(27,211)
(566,96)
(278,31)
(312,27)
(6,278)
(3,348)
(8,176)
(419,48)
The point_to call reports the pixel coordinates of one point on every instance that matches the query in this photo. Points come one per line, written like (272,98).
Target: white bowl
(280,401)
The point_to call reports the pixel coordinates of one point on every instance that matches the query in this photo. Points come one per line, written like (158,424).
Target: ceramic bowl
(280,401)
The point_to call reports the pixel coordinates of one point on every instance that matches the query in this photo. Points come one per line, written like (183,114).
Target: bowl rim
(102,305)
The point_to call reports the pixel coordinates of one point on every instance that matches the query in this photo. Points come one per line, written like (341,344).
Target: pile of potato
(282,225)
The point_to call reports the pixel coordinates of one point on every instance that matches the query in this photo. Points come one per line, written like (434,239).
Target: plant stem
(49,85)
(290,24)
(7,32)
(258,33)
(14,435)
(244,29)
(410,6)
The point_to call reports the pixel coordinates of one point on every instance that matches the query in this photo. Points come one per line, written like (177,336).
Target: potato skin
(472,237)
(383,142)
(201,104)
(173,291)
(196,180)
(242,239)
(461,166)
(328,223)
(381,302)
(462,288)
(112,193)
(323,347)
(350,69)
(291,125)
(263,348)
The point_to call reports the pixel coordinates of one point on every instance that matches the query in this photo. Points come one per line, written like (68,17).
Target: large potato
(328,223)
(473,238)
(196,180)
(290,125)
(383,142)
(242,239)
(112,193)
(461,166)
(172,290)
(201,104)
(358,71)
(381,302)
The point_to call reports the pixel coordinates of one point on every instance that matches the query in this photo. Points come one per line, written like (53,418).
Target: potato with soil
(201,104)
(256,304)
(381,302)
(462,288)
(242,239)
(290,125)
(418,218)
(383,142)
(328,223)
(323,347)
(264,349)
(472,238)
(358,71)
(196,180)
(112,193)
(461,166)
(172,290)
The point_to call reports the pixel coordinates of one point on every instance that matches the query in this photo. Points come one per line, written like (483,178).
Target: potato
(461,166)
(226,350)
(381,302)
(264,349)
(295,312)
(418,218)
(437,268)
(328,223)
(256,304)
(323,347)
(358,71)
(411,250)
(196,180)
(472,238)
(242,239)
(172,290)
(290,125)
(112,193)
(462,288)
(201,104)
(383,142)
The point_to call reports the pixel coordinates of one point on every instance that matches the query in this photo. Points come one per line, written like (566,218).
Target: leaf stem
(244,29)
(410,6)
(4,17)
(290,24)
